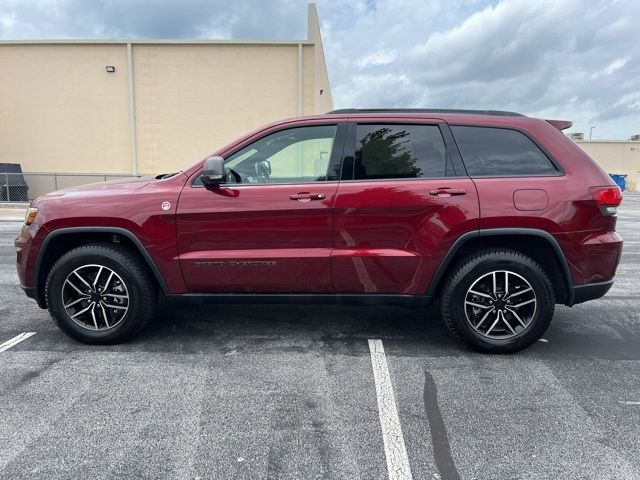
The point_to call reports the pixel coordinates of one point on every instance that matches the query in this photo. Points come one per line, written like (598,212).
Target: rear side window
(400,151)
(502,152)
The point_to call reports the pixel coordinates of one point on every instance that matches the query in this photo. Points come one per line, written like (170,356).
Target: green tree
(385,153)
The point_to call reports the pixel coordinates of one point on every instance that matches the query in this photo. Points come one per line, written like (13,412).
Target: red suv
(497,215)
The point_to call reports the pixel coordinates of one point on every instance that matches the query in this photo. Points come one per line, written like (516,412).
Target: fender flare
(72,230)
(493,232)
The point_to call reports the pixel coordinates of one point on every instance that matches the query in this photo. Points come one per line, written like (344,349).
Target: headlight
(30,216)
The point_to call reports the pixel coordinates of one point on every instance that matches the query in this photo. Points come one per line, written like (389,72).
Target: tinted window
(500,152)
(400,151)
(296,155)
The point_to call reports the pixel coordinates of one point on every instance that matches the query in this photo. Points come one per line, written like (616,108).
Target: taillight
(608,198)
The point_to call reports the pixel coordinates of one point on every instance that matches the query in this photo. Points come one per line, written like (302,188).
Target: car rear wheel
(100,293)
(498,301)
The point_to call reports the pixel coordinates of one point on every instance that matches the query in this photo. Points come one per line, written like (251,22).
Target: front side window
(400,151)
(296,155)
(490,151)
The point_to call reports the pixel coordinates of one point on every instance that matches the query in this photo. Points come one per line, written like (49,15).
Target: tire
(473,300)
(123,283)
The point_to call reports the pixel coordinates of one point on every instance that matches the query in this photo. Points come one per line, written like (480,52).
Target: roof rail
(499,113)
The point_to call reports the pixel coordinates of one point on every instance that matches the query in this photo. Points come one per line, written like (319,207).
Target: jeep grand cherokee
(496,215)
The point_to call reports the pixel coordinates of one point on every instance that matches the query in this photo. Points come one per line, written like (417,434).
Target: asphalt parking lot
(291,392)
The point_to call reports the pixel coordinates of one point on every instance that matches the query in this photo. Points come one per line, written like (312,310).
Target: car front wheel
(100,293)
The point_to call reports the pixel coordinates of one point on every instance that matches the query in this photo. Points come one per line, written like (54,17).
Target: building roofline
(155,42)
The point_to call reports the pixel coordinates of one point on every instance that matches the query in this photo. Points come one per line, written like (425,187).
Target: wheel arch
(540,245)
(62,240)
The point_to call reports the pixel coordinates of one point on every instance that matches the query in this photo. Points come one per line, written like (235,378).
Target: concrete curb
(12,214)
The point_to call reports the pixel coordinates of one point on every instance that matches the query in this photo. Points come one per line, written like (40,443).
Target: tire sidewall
(540,321)
(58,275)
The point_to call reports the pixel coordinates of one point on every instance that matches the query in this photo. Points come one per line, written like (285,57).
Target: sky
(560,59)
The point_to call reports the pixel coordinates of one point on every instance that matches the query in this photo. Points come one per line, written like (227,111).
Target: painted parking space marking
(630,403)
(15,340)
(394,447)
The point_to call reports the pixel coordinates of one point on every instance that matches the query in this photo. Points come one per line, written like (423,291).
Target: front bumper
(591,291)
(27,245)
(29,291)
(23,248)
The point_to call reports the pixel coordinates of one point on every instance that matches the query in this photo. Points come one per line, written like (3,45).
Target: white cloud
(380,57)
(615,65)
(7,20)
(540,58)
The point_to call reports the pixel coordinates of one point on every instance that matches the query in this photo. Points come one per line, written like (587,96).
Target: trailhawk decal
(238,263)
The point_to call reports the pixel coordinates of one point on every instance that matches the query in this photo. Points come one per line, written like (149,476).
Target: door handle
(307,197)
(447,192)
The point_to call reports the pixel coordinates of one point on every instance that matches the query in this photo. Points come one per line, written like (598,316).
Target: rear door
(403,199)
(268,230)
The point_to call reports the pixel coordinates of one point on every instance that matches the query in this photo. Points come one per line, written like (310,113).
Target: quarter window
(400,151)
(488,151)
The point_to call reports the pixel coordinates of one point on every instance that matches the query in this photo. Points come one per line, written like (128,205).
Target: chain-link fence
(24,187)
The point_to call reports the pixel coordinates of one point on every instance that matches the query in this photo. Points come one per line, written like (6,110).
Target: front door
(268,229)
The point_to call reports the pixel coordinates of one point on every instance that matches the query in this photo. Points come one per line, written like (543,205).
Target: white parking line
(394,448)
(629,403)
(15,340)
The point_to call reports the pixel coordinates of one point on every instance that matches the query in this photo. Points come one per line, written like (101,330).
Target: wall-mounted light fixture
(321,91)
(110,69)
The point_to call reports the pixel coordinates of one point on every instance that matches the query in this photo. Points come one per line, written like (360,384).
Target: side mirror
(213,173)
(264,167)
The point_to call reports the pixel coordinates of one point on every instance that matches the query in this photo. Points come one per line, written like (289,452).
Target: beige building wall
(190,99)
(61,111)
(322,99)
(621,157)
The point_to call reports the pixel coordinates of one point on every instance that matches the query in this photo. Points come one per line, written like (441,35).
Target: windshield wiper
(165,175)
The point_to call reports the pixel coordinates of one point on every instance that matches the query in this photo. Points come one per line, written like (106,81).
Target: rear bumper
(593,257)
(590,291)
